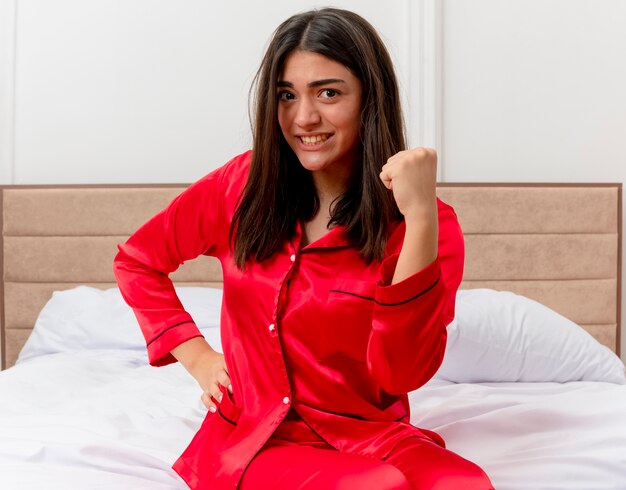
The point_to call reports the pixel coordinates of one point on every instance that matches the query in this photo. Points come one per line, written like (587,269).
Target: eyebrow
(316,83)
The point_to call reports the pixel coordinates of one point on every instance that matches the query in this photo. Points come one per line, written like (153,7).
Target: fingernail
(212,409)
(219,398)
(230,388)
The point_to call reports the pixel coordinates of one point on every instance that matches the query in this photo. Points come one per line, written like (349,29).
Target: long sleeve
(189,226)
(408,337)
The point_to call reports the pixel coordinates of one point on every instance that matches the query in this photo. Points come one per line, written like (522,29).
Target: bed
(531,387)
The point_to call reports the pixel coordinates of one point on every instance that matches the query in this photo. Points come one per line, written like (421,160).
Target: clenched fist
(412,176)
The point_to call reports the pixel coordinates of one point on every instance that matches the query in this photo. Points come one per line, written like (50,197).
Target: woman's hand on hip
(208,367)
(214,380)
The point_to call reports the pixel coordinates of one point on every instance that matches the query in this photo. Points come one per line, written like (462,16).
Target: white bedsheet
(532,435)
(106,420)
(95,419)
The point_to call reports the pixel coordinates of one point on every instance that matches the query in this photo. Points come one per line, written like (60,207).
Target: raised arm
(411,175)
(417,289)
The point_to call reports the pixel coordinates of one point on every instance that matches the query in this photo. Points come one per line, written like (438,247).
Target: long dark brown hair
(279,191)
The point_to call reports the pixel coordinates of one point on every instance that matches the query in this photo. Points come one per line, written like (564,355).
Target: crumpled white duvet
(107,420)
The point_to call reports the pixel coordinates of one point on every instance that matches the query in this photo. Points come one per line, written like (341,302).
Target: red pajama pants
(309,463)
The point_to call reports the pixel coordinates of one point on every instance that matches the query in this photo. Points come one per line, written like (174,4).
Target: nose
(307,114)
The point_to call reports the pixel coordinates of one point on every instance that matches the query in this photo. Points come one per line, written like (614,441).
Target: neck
(329,188)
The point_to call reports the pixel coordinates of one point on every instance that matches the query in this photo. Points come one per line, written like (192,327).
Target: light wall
(110,91)
(534,91)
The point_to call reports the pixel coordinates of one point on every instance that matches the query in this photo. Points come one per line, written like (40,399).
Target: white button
(272,327)
(286,400)
(292,258)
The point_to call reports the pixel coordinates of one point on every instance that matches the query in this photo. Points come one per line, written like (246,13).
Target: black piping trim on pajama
(388,304)
(219,411)
(368,298)
(169,328)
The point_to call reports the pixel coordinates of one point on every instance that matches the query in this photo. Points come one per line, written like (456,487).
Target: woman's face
(319,112)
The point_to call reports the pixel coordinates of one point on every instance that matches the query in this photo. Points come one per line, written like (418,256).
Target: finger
(208,402)
(216,393)
(386,179)
(224,380)
(397,156)
(212,397)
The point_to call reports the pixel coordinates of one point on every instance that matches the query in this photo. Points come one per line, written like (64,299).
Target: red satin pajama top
(312,328)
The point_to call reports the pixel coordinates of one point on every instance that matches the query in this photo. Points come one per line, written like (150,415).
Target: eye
(329,93)
(284,96)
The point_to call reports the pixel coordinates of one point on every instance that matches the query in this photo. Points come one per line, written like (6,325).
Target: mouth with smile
(313,141)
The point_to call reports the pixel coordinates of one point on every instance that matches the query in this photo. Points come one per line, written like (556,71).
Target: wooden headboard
(559,244)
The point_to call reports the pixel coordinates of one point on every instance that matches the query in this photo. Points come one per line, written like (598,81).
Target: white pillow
(89,318)
(501,336)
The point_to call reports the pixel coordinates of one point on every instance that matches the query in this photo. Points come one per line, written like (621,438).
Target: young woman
(340,271)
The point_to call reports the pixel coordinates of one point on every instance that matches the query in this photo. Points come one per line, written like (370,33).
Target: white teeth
(311,140)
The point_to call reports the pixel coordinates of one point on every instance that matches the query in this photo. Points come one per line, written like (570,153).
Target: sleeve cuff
(159,347)
(409,289)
